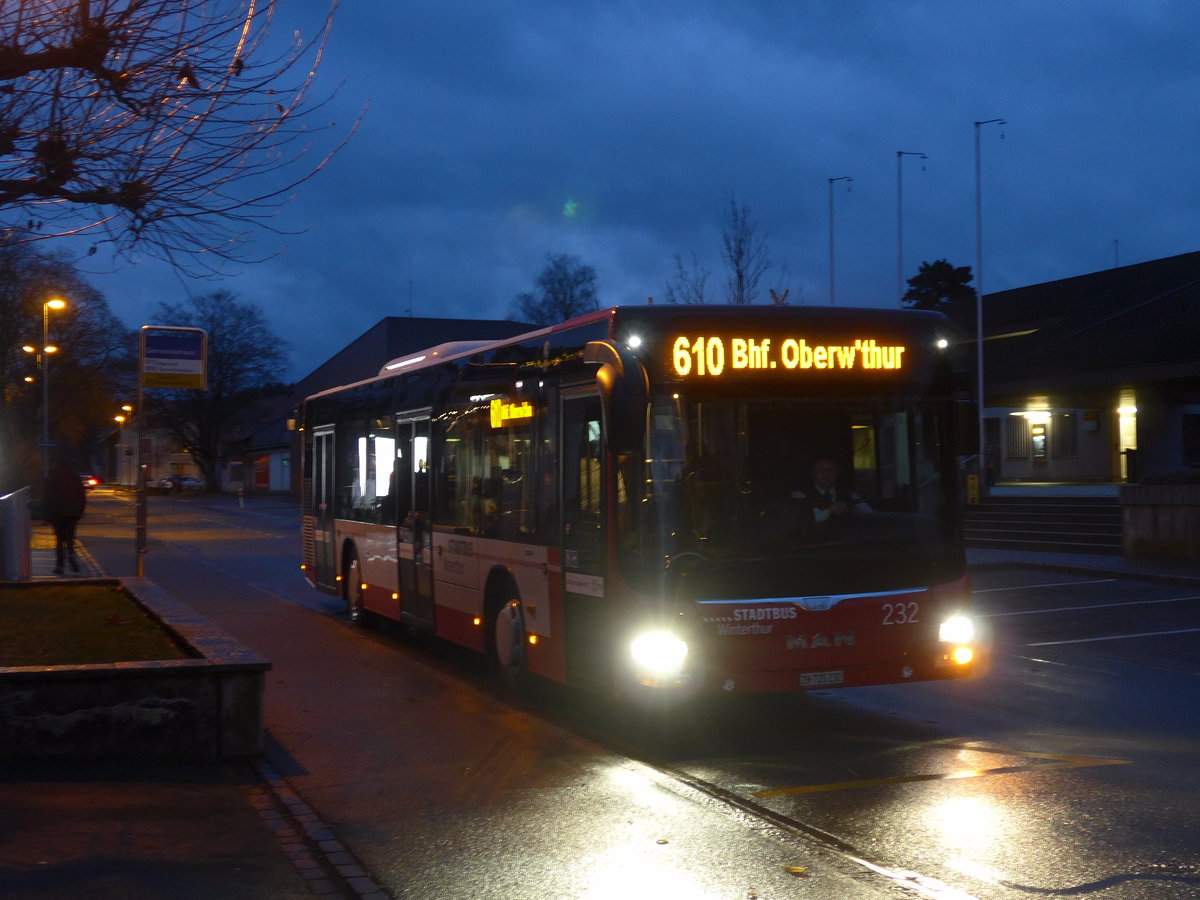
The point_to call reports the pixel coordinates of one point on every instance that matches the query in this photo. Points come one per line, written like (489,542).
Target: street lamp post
(832,292)
(979,298)
(44,364)
(122,463)
(120,454)
(900,154)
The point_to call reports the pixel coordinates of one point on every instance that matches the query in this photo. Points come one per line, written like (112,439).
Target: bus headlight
(957,630)
(659,652)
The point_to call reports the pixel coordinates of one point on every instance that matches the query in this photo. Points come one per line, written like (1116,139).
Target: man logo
(819,641)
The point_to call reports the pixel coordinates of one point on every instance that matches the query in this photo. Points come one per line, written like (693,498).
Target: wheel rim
(510,635)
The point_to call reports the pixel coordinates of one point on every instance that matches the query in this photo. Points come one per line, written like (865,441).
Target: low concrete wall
(207,707)
(1161,520)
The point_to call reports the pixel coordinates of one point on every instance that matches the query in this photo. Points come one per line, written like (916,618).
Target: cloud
(497,134)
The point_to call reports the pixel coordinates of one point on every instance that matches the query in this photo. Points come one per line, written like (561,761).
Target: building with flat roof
(1095,378)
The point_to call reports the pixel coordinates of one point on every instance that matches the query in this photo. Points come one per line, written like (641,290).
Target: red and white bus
(625,501)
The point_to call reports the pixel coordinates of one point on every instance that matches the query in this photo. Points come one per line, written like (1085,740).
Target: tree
(244,357)
(942,287)
(566,288)
(687,285)
(93,364)
(170,125)
(745,253)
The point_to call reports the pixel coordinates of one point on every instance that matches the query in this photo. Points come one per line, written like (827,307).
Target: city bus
(623,502)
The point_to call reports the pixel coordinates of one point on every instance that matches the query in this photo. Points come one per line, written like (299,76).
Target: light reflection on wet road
(1069,770)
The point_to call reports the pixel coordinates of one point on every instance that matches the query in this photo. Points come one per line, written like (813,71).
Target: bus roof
(457,349)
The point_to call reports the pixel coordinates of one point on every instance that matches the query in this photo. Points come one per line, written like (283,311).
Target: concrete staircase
(1049,524)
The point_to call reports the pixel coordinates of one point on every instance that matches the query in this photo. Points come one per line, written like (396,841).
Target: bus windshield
(779,497)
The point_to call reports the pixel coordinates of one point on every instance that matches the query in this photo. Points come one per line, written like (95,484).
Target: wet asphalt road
(1069,770)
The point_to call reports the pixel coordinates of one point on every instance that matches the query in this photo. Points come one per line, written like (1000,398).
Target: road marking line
(1030,587)
(1051,761)
(1056,609)
(1113,637)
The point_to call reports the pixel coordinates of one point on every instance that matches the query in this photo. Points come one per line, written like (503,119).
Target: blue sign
(174,357)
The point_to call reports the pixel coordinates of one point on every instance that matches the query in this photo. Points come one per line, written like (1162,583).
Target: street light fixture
(979,298)
(900,154)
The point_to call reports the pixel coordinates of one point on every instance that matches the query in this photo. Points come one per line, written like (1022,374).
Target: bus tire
(507,642)
(352,587)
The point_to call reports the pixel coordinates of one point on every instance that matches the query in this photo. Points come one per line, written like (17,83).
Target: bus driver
(827,495)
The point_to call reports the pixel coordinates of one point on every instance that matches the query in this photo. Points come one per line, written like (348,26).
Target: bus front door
(586,611)
(414,550)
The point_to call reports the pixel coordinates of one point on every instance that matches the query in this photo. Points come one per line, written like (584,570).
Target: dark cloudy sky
(490,123)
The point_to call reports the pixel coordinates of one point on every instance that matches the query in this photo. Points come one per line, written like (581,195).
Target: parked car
(89,481)
(176,484)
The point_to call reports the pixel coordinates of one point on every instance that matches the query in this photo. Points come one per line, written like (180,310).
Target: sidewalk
(224,830)
(187,831)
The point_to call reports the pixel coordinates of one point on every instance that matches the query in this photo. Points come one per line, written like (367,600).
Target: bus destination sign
(715,356)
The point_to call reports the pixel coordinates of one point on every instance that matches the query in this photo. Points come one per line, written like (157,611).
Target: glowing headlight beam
(659,652)
(957,630)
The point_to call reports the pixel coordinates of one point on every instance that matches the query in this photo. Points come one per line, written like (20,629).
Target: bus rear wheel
(508,641)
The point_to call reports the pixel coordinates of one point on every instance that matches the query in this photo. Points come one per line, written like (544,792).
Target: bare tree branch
(687,285)
(175,126)
(745,253)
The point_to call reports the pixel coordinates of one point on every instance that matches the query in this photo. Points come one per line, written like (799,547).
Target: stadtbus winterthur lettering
(715,355)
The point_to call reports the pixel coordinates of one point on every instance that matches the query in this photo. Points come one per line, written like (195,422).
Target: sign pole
(170,357)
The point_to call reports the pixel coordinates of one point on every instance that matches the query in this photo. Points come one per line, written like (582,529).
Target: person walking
(63,502)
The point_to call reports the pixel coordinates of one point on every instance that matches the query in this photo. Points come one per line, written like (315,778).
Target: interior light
(404,362)
(1127,410)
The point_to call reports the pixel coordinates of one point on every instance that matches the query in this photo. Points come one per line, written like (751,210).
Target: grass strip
(79,624)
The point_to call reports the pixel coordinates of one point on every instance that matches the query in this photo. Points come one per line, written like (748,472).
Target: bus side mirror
(623,392)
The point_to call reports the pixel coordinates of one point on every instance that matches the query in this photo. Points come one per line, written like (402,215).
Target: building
(1095,378)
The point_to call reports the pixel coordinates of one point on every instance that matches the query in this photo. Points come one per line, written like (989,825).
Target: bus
(624,502)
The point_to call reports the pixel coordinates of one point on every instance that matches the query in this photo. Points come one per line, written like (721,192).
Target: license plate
(821,679)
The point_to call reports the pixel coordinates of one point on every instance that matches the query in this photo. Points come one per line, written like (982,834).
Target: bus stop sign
(174,357)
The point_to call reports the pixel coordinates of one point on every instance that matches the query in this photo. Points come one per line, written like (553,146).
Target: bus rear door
(414,550)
